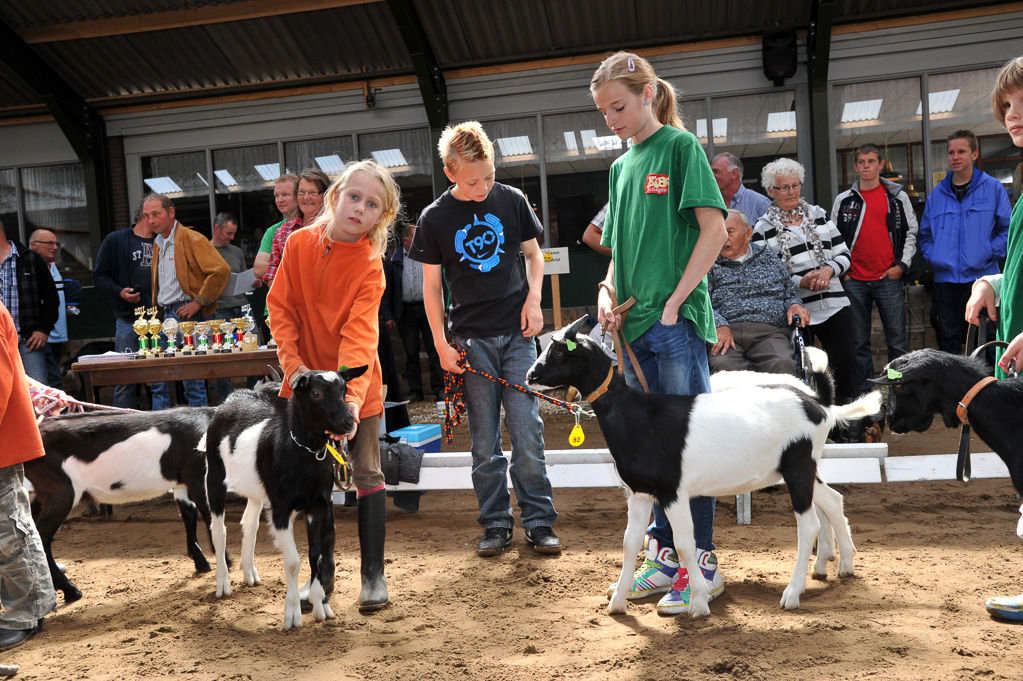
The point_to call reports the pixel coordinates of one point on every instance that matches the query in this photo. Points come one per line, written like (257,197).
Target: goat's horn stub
(889,377)
(572,329)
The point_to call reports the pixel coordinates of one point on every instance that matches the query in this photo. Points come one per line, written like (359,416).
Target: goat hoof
(617,606)
(203,567)
(789,602)
(71,595)
(305,605)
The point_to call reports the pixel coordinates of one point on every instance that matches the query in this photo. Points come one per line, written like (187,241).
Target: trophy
(218,337)
(250,341)
(155,326)
(238,323)
(202,345)
(270,344)
(228,328)
(186,328)
(141,327)
(170,330)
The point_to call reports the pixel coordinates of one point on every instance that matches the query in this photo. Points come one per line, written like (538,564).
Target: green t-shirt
(1010,315)
(266,244)
(651,227)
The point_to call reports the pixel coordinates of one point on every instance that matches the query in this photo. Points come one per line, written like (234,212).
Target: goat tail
(202,443)
(820,378)
(861,407)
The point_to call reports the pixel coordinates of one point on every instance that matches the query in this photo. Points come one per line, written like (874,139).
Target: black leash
(963,467)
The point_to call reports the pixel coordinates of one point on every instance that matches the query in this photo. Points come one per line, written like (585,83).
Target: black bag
(400,462)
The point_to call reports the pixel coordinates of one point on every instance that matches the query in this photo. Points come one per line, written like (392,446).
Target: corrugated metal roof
(339,43)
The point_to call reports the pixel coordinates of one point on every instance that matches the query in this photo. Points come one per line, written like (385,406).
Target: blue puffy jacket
(963,241)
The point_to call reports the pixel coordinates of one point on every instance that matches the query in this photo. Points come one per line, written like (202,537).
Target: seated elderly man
(754,301)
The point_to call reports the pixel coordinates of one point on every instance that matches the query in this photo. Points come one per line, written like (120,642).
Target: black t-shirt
(478,244)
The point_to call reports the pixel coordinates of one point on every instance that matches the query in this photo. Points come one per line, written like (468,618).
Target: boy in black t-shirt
(475,231)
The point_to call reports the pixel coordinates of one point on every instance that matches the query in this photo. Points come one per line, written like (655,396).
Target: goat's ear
(349,374)
(300,381)
(572,329)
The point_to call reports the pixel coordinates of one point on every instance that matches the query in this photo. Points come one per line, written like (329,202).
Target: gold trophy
(270,344)
(170,330)
(250,341)
(218,337)
(155,326)
(186,328)
(239,333)
(202,345)
(141,327)
(228,328)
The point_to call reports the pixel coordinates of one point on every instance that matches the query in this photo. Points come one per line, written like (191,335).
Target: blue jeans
(195,391)
(125,396)
(34,361)
(674,361)
(54,353)
(507,357)
(890,297)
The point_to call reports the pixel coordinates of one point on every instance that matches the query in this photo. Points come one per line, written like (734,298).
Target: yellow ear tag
(334,453)
(576,437)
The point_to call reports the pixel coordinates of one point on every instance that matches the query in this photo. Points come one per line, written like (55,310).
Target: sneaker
(1006,607)
(493,542)
(676,601)
(543,539)
(655,574)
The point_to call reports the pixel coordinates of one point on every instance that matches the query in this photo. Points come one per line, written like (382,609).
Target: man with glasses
(28,292)
(877,221)
(45,243)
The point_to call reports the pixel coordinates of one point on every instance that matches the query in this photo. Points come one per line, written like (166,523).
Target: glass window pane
(244,181)
(579,150)
(884,113)
(55,200)
(756,128)
(962,100)
(329,154)
(517,158)
(408,155)
(9,202)
(182,177)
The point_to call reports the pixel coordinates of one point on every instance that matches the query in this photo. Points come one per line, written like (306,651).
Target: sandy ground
(929,555)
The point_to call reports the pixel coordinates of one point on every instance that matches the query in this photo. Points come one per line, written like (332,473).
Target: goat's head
(569,359)
(319,399)
(917,385)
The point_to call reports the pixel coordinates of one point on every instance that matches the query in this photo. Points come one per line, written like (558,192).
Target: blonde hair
(377,234)
(635,73)
(464,143)
(1009,79)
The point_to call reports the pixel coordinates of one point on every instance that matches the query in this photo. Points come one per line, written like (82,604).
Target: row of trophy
(234,335)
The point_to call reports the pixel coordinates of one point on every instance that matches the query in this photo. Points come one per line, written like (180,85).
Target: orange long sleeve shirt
(324,306)
(18,430)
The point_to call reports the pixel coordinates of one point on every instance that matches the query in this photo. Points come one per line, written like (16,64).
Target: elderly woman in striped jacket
(817,258)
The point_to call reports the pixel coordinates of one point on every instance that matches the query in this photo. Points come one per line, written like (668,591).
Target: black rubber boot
(372,531)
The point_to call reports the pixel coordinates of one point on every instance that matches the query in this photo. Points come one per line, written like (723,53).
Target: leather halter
(621,311)
(965,402)
(602,388)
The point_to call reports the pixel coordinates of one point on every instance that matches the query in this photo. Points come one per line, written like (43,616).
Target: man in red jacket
(25,584)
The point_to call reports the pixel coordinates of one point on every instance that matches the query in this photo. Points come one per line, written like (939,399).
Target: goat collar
(965,402)
(602,388)
(319,454)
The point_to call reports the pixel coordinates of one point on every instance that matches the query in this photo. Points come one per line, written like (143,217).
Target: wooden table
(180,368)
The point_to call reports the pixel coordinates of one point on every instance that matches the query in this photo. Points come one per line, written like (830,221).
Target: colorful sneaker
(655,574)
(676,601)
(1006,607)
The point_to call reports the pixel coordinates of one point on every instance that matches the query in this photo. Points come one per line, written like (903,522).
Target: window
(329,154)
(244,186)
(408,155)
(517,160)
(9,202)
(756,128)
(185,179)
(884,113)
(54,199)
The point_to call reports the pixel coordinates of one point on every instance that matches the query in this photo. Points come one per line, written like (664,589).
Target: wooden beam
(182,18)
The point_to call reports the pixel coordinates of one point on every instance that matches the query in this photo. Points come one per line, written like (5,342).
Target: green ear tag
(570,345)
(343,367)
(894,375)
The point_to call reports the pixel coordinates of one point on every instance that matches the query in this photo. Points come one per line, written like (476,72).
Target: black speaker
(779,53)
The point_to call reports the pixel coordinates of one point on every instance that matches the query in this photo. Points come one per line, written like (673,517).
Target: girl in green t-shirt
(665,226)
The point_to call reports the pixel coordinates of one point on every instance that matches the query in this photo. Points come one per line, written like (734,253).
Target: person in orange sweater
(25,584)
(325,303)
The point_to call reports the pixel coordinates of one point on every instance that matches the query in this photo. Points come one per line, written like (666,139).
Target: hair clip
(632,64)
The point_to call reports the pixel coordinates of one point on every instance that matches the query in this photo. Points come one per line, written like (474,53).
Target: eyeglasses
(301,194)
(49,243)
(789,188)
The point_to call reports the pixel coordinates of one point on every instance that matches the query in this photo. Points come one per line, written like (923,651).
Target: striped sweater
(803,260)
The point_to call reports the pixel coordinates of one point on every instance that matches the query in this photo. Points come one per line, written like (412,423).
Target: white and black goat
(671,448)
(271,450)
(119,458)
(928,382)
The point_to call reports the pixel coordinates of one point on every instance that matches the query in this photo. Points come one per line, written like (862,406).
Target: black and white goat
(271,450)
(670,448)
(928,382)
(119,458)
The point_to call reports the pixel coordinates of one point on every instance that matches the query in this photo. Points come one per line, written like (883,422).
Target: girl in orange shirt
(325,302)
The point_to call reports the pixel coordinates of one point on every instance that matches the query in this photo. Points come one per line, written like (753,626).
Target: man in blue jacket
(963,233)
